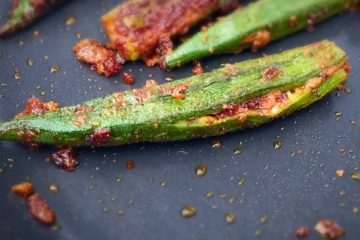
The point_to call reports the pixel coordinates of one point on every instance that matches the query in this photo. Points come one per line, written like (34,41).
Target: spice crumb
(216,143)
(264,218)
(302,232)
(54,188)
(230,217)
(209,194)
(130,164)
(188,211)
(355,176)
(23,189)
(258,232)
(54,68)
(329,229)
(17,74)
(340,172)
(277,144)
(30,62)
(70,21)
(201,170)
(163,183)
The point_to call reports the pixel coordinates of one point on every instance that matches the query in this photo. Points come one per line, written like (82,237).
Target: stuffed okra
(255,26)
(25,12)
(142,29)
(236,96)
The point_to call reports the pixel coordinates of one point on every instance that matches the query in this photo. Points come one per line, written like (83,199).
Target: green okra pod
(236,96)
(25,12)
(255,26)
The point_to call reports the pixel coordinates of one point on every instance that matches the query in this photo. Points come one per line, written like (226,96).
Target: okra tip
(4,30)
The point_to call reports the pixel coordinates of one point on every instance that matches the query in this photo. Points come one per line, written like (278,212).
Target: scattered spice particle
(119,179)
(17,74)
(36,33)
(296,152)
(201,170)
(121,212)
(30,62)
(277,144)
(70,21)
(329,229)
(216,143)
(209,194)
(65,158)
(223,195)
(128,78)
(230,217)
(54,68)
(163,183)
(302,232)
(232,199)
(338,115)
(241,181)
(54,188)
(56,227)
(341,150)
(355,176)
(342,193)
(264,218)
(355,210)
(258,232)
(188,211)
(237,150)
(40,210)
(197,68)
(130,164)
(78,34)
(340,172)
(23,189)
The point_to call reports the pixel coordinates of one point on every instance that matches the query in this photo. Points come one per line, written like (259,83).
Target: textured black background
(291,190)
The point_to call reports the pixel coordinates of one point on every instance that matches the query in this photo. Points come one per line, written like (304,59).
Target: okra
(25,12)
(233,97)
(255,26)
(142,29)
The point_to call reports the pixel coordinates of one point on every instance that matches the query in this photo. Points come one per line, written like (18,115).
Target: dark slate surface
(290,190)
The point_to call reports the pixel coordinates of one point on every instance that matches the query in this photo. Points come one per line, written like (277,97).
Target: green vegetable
(25,12)
(245,94)
(255,26)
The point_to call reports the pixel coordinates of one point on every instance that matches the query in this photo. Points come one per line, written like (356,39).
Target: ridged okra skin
(236,96)
(255,26)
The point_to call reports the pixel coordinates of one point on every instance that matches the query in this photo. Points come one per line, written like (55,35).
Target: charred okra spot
(28,138)
(99,137)
(83,109)
(80,119)
(36,106)
(292,21)
(261,103)
(271,72)
(314,18)
(258,40)
(231,70)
